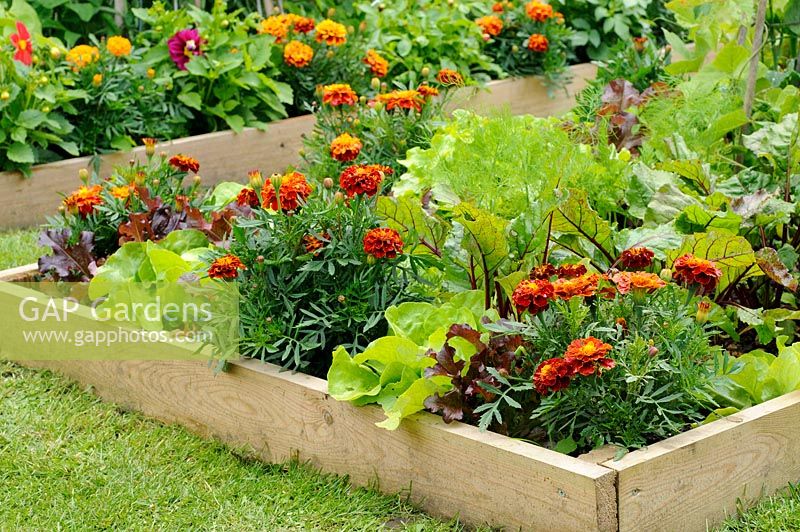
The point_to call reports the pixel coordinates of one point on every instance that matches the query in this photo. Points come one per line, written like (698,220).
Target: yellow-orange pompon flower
(363,179)
(122,193)
(583,286)
(118,46)
(383,242)
(82,55)
(84,200)
(538,43)
(339,94)
(331,33)
(313,244)
(298,54)
(294,190)
(532,295)
(588,354)
(448,76)
(377,64)
(538,11)
(407,99)
(490,25)
(97,80)
(427,91)
(303,24)
(226,267)
(637,282)
(345,147)
(275,26)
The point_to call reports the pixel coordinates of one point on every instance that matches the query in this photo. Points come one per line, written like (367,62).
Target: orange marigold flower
(538,43)
(84,200)
(497,7)
(589,354)
(331,33)
(571,271)
(490,25)
(544,271)
(248,196)
(275,26)
(696,272)
(304,24)
(538,11)
(405,99)
(294,189)
(82,55)
(339,94)
(118,46)
(363,179)
(532,295)
(448,76)
(298,54)
(122,192)
(559,17)
(313,244)
(345,147)
(427,91)
(637,258)
(553,375)
(383,242)
(637,282)
(638,43)
(226,267)
(377,64)
(184,163)
(583,286)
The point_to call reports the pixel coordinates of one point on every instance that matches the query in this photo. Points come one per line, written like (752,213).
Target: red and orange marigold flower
(637,282)
(303,24)
(637,258)
(490,25)
(363,179)
(313,244)
(427,91)
(448,76)
(331,33)
(275,26)
(696,272)
(402,99)
(294,190)
(583,286)
(538,43)
(84,200)
(570,271)
(589,354)
(377,64)
(552,375)
(184,163)
(297,54)
(539,11)
(543,271)
(122,192)
(383,242)
(339,94)
(345,147)
(532,295)
(226,267)
(248,197)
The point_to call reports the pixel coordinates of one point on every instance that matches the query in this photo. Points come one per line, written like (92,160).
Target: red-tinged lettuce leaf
(136,229)
(618,96)
(451,405)
(69,261)
(770,263)
(217,229)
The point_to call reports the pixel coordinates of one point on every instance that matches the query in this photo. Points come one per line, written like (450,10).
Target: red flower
(248,196)
(339,94)
(637,258)
(294,189)
(589,354)
(553,375)
(538,43)
(497,7)
(427,91)
(185,163)
(226,267)
(345,147)
(363,179)
(583,286)
(22,42)
(694,271)
(490,25)
(448,76)
(544,271)
(84,200)
(406,99)
(570,271)
(533,296)
(383,242)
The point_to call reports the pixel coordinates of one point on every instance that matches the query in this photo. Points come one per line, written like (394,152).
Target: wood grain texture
(20,273)
(692,481)
(448,469)
(227,156)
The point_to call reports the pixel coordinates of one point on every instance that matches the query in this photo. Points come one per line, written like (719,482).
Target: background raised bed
(226,156)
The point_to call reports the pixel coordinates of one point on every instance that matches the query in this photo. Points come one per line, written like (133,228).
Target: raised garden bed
(688,482)
(226,155)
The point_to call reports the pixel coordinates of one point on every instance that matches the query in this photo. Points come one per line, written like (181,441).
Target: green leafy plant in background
(230,83)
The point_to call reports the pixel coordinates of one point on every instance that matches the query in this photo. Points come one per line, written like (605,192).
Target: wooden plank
(226,156)
(20,273)
(692,481)
(449,470)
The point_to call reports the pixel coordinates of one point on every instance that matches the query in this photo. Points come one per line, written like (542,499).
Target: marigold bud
(666,274)
(140,88)
(425,72)
(156,182)
(341,299)
(151,73)
(338,197)
(652,351)
(331,12)
(378,106)
(515,48)
(381,6)
(260,259)
(276,180)
(351,30)
(327,183)
(55,52)
(624,155)
(703,307)
(329,54)
(256,179)
(225,23)
(362,27)
(5,95)
(197,179)
(83,174)
(43,79)
(375,84)
(46,109)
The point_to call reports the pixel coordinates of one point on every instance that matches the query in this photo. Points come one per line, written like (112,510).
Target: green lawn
(70,461)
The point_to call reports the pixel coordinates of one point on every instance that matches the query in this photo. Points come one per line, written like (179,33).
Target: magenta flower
(183,45)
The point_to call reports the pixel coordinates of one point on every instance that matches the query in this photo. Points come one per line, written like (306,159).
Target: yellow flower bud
(83,174)
(5,95)
(329,54)
(375,83)
(331,12)
(425,72)
(197,179)
(97,79)
(156,182)
(276,180)
(55,52)
(140,88)
(624,155)
(225,23)
(43,80)
(151,73)
(351,30)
